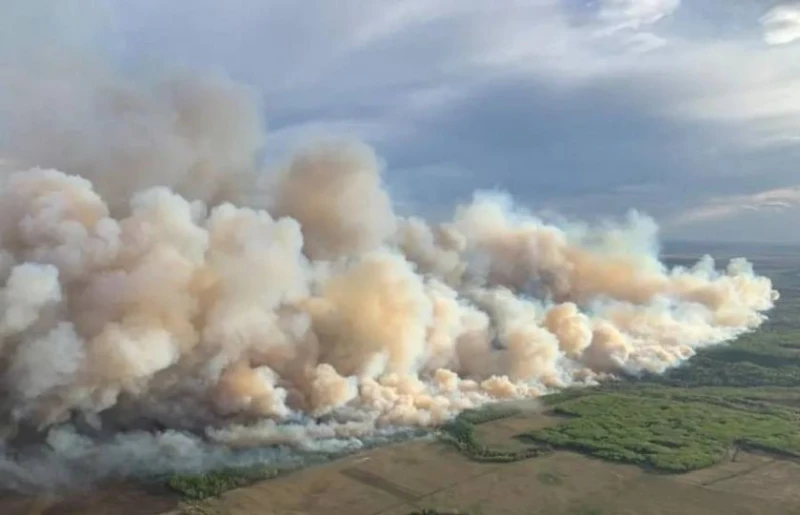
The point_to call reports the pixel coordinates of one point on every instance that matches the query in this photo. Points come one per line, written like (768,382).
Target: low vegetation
(662,428)
(666,434)
(769,357)
(211,484)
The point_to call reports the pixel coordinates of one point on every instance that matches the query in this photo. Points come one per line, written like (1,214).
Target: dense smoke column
(142,289)
(193,315)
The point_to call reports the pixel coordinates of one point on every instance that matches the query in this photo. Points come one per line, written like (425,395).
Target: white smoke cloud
(149,283)
(220,320)
(197,135)
(781,24)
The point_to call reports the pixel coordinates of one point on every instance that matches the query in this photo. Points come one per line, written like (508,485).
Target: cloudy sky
(686,109)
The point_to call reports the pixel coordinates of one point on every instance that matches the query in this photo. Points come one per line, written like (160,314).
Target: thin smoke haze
(163,304)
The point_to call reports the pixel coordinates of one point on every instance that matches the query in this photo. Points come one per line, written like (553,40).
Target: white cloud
(746,94)
(725,207)
(394,18)
(781,24)
(427,82)
(636,13)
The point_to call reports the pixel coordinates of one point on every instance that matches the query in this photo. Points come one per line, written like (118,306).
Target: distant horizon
(731,243)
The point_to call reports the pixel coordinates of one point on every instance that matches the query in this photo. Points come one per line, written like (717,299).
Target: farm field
(412,477)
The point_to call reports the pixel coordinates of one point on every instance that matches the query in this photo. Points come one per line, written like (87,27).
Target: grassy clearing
(550,478)
(663,433)
(461,434)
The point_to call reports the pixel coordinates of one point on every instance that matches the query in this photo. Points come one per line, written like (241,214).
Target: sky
(688,110)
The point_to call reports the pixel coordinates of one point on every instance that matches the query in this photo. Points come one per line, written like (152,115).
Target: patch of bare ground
(412,476)
(408,477)
(656,495)
(522,488)
(500,434)
(584,486)
(776,479)
(739,463)
(118,499)
(370,483)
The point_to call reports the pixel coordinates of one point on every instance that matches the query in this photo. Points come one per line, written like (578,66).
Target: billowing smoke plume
(142,291)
